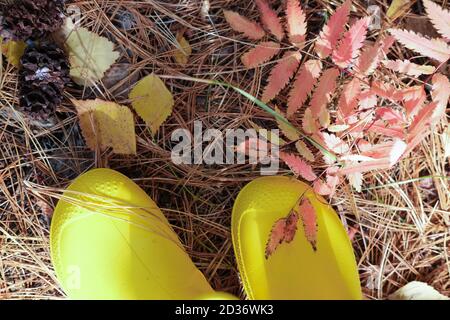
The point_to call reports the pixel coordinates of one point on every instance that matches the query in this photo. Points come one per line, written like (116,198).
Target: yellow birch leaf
(152,101)
(398,8)
(106,124)
(182,53)
(90,56)
(13,51)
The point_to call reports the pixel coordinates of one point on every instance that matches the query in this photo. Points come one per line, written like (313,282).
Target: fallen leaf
(281,74)
(270,19)
(308,216)
(296,23)
(184,50)
(152,101)
(398,8)
(106,124)
(13,51)
(440,18)
(282,231)
(409,68)
(260,54)
(304,151)
(90,56)
(433,48)
(298,166)
(331,33)
(417,290)
(239,23)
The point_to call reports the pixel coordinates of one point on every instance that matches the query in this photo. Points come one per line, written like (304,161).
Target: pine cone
(31,19)
(42,78)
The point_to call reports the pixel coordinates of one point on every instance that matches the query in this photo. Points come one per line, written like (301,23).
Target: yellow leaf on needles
(152,101)
(398,8)
(182,53)
(90,56)
(106,124)
(13,51)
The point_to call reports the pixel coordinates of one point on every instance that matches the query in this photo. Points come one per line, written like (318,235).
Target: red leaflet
(308,216)
(262,53)
(434,48)
(349,98)
(296,23)
(283,230)
(304,151)
(304,83)
(241,24)
(309,124)
(320,187)
(270,19)
(439,17)
(372,55)
(281,74)
(440,94)
(298,166)
(350,45)
(325,88)
(331,33)
(409,68)
(421,122)
(413,99)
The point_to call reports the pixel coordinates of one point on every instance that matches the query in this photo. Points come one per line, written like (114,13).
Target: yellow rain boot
(109,240)
(294,270)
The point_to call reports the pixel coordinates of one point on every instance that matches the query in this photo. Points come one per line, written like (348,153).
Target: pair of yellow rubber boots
(109,240)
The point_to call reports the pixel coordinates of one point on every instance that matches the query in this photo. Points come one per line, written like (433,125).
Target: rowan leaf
(335,143)
(308,216)
(371,56)
(152,101)
(296,23)
(298,166)
(349,47)
(331,33)
(290,132)
(440,94)
(281,74)
(90,56)
(432,48)
(182,53)
(322,188)
(309,122)
(250,29)
(304,83)
(260,54)
(13,51)
(349,98)
(106,124)
(270,19)
(283,230)
(323,92)
(413,99)
(304,151)
(439,17)
(408,67)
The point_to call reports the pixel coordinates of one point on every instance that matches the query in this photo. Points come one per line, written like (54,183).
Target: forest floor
(401,231)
